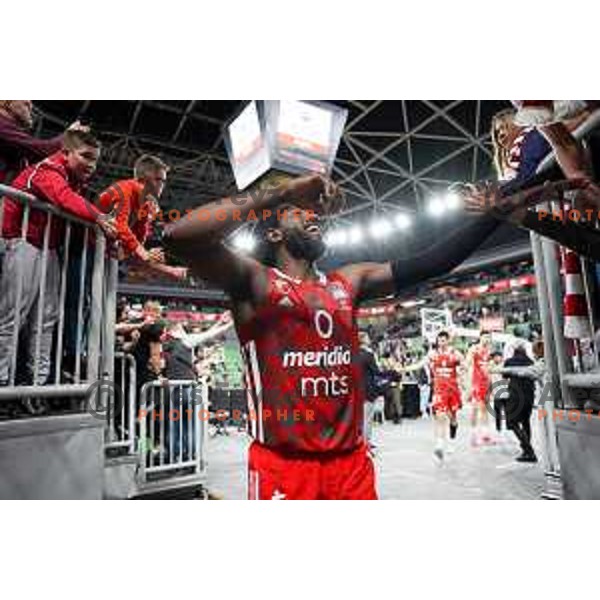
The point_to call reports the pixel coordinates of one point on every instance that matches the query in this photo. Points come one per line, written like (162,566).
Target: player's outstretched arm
(198,237)
(583,238)
(378,280)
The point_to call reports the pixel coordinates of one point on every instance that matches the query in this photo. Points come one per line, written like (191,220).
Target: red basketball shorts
(273,476)
(447,401)
(479,390)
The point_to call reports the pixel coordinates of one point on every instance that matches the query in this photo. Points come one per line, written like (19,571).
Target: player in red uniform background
(298,331)
(478,359)
(445,363)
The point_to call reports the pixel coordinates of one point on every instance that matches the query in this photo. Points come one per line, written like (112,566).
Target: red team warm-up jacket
(48,181)
(133,213)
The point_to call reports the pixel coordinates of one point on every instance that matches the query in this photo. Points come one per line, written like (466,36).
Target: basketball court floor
(405,466)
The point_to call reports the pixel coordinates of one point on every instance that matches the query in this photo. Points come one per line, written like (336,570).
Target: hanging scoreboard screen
(292,136)
(304,136)
(247,147)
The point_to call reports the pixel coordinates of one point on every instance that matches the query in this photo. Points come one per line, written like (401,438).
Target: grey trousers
(24,260)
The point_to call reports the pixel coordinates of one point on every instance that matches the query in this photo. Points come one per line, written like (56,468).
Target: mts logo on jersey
(329,358)
(300,352)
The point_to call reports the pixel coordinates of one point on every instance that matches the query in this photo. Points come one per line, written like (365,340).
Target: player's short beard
(303,246)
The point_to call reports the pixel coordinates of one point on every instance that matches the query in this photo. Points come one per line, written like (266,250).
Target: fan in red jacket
(57,181)
(134,202)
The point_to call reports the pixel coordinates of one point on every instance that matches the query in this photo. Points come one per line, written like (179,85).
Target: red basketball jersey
(481,357)
(444,369)
(304,387)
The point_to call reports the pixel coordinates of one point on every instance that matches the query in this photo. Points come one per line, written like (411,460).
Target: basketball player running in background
(298,331)
(446,365)
(478,359)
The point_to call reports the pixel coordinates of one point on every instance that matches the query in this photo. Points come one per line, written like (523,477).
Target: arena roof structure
(394,157)
(393,154)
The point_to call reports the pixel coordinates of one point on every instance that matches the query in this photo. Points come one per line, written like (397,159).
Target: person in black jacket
(519,406)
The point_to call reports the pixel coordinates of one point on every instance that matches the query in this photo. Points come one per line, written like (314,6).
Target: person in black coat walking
(519,406)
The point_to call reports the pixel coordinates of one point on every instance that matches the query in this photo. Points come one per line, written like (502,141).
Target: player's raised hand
(481,198)
(313,192)
(332,198)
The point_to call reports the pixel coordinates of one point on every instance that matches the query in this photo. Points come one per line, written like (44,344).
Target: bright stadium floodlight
(355,235)
(402,221)
(436,207)
(341,237)
(380,228)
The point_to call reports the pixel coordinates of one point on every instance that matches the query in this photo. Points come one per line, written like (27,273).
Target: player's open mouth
(313,229)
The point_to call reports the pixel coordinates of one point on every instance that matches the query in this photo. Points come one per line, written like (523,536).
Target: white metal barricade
(172,418)
(40,316)
(120,432)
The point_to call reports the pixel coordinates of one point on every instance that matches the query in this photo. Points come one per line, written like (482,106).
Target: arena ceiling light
(380,228)
(436,207)
(355,235)
(402,221)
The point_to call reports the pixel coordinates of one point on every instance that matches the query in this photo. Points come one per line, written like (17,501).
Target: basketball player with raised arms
(298,330)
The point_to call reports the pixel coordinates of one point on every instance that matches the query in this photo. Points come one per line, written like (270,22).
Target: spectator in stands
(204,362)
(17,146)
(519,151)
(57,181)
(127,332)
(371,374)
(391,372)
(516,165)
(148,352)
(135,204)
(151,311)
(179,367)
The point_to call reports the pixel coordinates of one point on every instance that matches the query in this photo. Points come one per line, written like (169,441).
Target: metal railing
(43,319)
(173,418)
(562,378)
(120,432)
(567,369)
